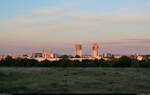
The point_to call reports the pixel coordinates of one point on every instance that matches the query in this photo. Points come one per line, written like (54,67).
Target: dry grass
(74,80)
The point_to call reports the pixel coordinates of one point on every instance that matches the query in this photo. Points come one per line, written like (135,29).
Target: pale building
(107,55)
(29,55)
(47,55)
(95,50)
(12,56)
(50,59)
(37,55)
(43,53)
(50,54)
(117,56)
(140,58)
(78,50)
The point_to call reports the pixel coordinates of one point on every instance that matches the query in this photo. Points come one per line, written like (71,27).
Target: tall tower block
(44,54)
(95,50)
(78,50)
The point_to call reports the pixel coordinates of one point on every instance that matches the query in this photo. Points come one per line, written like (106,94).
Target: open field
(74,80)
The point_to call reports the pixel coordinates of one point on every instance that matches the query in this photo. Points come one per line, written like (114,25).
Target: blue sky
(11,8)
(119,26)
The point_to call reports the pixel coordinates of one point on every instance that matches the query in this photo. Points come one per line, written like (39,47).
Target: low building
(50,59)
(12,56)
(107,55)
(140,58)
(117,56)
(42,55)
(36,55)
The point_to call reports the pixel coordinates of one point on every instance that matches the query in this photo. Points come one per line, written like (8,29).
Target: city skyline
(119,27)
(95,51)
(95,54)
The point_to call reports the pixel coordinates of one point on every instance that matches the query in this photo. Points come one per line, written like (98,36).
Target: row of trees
(64,62)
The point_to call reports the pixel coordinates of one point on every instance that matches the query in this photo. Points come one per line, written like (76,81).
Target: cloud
(65,24)
(56,17)
(44,21)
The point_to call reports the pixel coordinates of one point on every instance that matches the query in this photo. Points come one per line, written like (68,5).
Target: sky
(118,26)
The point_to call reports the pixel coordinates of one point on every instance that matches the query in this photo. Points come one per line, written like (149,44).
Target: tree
(65,57)
(9,61)
(77,56)
(134,63)
(45,63)
(124,61)
(114,62)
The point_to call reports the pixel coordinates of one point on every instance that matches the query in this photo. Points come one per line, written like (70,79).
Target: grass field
(74,80)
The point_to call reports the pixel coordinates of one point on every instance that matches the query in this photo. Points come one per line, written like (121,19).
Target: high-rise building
(78,50)
(95,50)
(43,53)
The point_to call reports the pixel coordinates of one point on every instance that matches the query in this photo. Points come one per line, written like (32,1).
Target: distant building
(95,50)
(117,56)
(43,53)
(78,50)
(29,55)
(56,55)
(47,55)
(50,55)
(37,55)
(107,55)
(50,59)
(86,56)
(12,56)
(140,58)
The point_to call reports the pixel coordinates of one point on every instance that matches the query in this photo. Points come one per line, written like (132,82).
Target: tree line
(124,61)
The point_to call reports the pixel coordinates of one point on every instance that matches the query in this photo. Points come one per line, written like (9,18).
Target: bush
(135,63)
(45,63)
(64,62)
(124,61)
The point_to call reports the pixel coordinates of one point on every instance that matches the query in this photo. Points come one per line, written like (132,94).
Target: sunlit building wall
(95,50)
(78,50)
(43,53)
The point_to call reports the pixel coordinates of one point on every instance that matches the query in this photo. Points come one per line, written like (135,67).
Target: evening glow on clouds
(118,26)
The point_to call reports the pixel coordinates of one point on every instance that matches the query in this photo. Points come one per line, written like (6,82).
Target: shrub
(64,62)
(124,61)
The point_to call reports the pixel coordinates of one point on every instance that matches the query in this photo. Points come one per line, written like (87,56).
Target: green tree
(134,63)
(64,57)
(77,56)
(45,63)
(124,61)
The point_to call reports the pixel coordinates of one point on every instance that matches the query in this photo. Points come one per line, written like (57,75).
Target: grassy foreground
(74,80)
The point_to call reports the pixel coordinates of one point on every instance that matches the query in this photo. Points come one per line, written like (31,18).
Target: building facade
(44,54)
(47,55)
(78,50)
(95,50)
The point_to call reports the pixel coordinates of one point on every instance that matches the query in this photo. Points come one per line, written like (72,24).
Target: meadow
(74,80)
